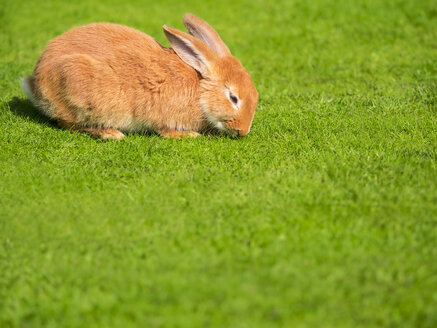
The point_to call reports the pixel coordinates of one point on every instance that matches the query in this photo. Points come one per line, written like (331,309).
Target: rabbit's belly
(120,120)
(136,126)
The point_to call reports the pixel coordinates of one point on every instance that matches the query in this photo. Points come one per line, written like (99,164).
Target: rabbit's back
(102,41)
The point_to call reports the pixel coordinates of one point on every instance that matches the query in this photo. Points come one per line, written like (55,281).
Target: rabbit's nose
(242,133)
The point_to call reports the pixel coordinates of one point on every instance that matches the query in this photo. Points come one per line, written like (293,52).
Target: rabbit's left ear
(200,29)
(191,50)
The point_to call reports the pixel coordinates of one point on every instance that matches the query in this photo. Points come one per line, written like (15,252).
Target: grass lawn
(325,215)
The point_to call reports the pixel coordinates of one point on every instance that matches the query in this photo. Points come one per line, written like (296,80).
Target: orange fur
(104,77)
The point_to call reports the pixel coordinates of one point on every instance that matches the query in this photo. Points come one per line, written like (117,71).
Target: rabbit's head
(228,96)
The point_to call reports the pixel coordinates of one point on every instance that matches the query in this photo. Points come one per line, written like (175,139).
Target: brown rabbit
(105,78)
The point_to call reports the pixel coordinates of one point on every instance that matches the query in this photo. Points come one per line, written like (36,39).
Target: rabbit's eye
(234,99)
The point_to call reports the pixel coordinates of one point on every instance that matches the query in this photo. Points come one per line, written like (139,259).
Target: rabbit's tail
(27,86)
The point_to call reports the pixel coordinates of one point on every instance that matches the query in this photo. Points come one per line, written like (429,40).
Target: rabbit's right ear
(191,50)
(200,29)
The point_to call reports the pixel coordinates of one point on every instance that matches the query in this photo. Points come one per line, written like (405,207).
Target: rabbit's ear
(191,50)
(200,29)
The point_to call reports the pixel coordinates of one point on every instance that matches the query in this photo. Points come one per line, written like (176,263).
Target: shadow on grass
(25,108)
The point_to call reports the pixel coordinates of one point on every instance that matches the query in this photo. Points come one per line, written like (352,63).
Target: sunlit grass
(323,216)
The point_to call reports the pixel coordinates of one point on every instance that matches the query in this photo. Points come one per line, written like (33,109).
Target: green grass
(323,216)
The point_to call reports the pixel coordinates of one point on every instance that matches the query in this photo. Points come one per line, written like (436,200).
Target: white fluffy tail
(27,88)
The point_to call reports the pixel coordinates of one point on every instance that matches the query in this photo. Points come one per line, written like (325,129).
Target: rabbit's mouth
(233,133)
(221,125)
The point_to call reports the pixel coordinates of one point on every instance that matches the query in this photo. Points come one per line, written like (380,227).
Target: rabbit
(106,79)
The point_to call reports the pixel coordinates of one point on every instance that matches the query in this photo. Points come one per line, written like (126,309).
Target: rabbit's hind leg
(99,133)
